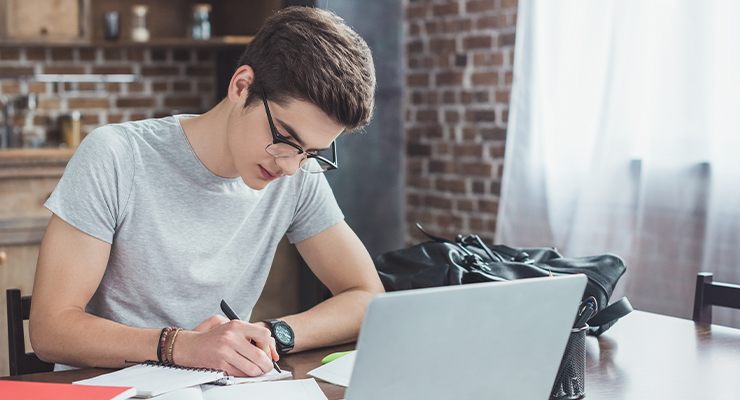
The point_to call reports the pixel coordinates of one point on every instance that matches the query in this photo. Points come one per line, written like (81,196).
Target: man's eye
(281,136)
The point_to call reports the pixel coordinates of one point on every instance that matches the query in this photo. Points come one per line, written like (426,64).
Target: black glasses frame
(277,139)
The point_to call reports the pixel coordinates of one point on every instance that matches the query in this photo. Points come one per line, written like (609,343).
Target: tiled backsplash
(171,81)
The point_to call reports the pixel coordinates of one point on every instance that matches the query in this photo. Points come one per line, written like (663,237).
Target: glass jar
(201,24)
(111,27)
(139,32)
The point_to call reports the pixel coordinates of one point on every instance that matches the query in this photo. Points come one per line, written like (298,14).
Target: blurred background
(612,130)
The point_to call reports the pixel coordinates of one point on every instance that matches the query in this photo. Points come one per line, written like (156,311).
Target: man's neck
(207,136)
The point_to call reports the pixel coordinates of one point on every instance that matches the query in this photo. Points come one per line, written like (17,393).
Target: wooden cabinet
(59,21)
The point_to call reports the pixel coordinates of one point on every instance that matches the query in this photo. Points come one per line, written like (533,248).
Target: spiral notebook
(152,378)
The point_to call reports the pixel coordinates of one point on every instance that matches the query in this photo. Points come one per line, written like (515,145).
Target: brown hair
(310,54)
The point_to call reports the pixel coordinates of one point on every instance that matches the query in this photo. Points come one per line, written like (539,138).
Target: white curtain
(624,137)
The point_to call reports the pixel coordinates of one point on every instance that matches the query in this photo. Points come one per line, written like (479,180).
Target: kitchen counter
(33,163)
(27,178)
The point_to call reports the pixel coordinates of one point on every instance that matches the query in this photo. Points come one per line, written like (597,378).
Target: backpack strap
(605,318)
(430,236)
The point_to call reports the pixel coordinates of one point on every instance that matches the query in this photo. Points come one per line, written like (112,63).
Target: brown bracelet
(168,354)
(161,349)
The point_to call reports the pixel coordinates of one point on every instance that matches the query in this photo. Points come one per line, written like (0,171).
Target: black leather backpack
(441,262)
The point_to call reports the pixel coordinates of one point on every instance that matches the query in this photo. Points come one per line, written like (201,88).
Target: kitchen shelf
(224,41)
(216,42)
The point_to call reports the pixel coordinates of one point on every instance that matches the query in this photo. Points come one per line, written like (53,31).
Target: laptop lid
(500,340)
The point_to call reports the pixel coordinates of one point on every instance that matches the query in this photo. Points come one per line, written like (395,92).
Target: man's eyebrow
(295,136)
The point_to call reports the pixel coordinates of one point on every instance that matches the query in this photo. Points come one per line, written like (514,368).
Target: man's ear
(239,85)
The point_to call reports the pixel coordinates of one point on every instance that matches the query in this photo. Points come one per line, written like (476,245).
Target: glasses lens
(281,150)
(314,166)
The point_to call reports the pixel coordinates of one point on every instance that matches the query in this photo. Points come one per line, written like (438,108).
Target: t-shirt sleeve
(317,209)
(95,186)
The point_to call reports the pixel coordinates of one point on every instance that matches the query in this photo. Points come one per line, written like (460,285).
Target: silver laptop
(500,340)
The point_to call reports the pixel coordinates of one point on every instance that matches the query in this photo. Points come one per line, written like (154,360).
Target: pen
(232,315)
(585,312)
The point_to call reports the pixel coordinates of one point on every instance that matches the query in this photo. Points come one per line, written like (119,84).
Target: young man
(156,221)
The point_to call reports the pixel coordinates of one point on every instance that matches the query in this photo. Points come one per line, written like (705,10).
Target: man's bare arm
(70,268)
(341,262)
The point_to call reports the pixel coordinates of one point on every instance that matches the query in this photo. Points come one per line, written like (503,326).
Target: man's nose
(290,165)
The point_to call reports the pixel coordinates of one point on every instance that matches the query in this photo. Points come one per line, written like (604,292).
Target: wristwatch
(283,334)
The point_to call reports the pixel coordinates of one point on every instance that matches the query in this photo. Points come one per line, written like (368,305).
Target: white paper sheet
(190,393)
(338,371)
(303,389)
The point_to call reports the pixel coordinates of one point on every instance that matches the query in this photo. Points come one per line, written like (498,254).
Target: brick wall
(459,57)
(172,81)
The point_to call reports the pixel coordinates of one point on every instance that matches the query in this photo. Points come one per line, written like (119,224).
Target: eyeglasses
(283,148)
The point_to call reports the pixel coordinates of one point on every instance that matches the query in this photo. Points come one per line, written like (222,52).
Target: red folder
(19,390)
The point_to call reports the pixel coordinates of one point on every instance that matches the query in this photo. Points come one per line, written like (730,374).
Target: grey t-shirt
(182,238)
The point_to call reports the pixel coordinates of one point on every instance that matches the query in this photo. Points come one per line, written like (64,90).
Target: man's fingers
(268,353)
(256,357)
(273,349)
(240,366)
(265,347)
(267,350)
(262,338)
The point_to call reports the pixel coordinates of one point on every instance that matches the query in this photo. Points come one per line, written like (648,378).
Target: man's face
(249,134)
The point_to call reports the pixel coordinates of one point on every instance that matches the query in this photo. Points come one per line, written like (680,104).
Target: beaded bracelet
(171,340)
(161,349)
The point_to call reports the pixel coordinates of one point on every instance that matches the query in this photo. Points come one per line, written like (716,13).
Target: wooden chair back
(709,293)
(21,362)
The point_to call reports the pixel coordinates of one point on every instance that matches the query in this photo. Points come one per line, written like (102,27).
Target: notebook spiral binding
(153,363)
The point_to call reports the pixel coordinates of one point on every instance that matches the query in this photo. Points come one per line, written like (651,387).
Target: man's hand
(220,343)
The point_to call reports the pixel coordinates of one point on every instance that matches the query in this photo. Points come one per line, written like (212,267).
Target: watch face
(283,333)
